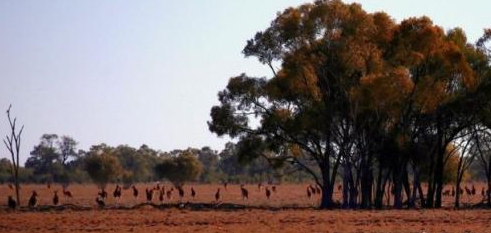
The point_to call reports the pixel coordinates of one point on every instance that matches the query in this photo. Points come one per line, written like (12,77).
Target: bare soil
(261,214)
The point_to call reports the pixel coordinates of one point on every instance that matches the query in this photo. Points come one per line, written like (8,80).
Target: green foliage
(50,159)
(178,170)
(138,164)
(209,160)
(5,170)
(67,147)
(103,167)
(135,164)
(229,161)
(353,87)
(25,174)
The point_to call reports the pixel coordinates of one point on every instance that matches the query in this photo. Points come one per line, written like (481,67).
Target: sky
(148,71)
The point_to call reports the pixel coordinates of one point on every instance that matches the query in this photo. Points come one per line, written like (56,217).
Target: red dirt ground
(149,219)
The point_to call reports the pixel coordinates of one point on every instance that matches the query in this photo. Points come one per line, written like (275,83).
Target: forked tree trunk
(327,190)
(326,198)
(346,177)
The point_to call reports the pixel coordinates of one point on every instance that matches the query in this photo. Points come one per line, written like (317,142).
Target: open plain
(288,210)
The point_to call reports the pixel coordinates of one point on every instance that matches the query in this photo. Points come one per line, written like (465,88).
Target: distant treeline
(57,159)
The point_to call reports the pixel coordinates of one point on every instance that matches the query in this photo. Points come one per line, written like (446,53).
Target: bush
(178,170)
(103,169)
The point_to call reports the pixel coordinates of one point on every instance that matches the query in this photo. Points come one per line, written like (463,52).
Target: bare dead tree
(12,142)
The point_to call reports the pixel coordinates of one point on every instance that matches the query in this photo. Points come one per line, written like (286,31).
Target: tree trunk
(421,194)
(366,183)
(346,177)
(326,199)
(430,193)
(380,187)
(488,192)
(389,192)
(458,181)
(441,150)
(457,193)
(327,190)
(17,185)
(12,143)
(439,180)
(353,192)
(407,186)
(397,181)
(412,200)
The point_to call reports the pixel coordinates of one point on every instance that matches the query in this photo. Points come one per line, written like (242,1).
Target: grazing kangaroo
(102,193)
(446,193)
(268,193)
(169,193)
(12,203)
(33,199)
(181,192)
(149,193)
(117,193)
(217,195)
(244,192)
(193,193)
(67,193)
(135,192)
(100,202)
(312,189)
(161,196)
(56,199)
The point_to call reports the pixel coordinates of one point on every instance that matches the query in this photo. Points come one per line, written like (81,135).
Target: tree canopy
(356,93)
(102,166)
(178,170)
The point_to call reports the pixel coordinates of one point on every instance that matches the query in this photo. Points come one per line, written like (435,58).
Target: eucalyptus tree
(353,91)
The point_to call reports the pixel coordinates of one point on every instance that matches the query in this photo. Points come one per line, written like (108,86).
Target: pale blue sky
(134,72)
